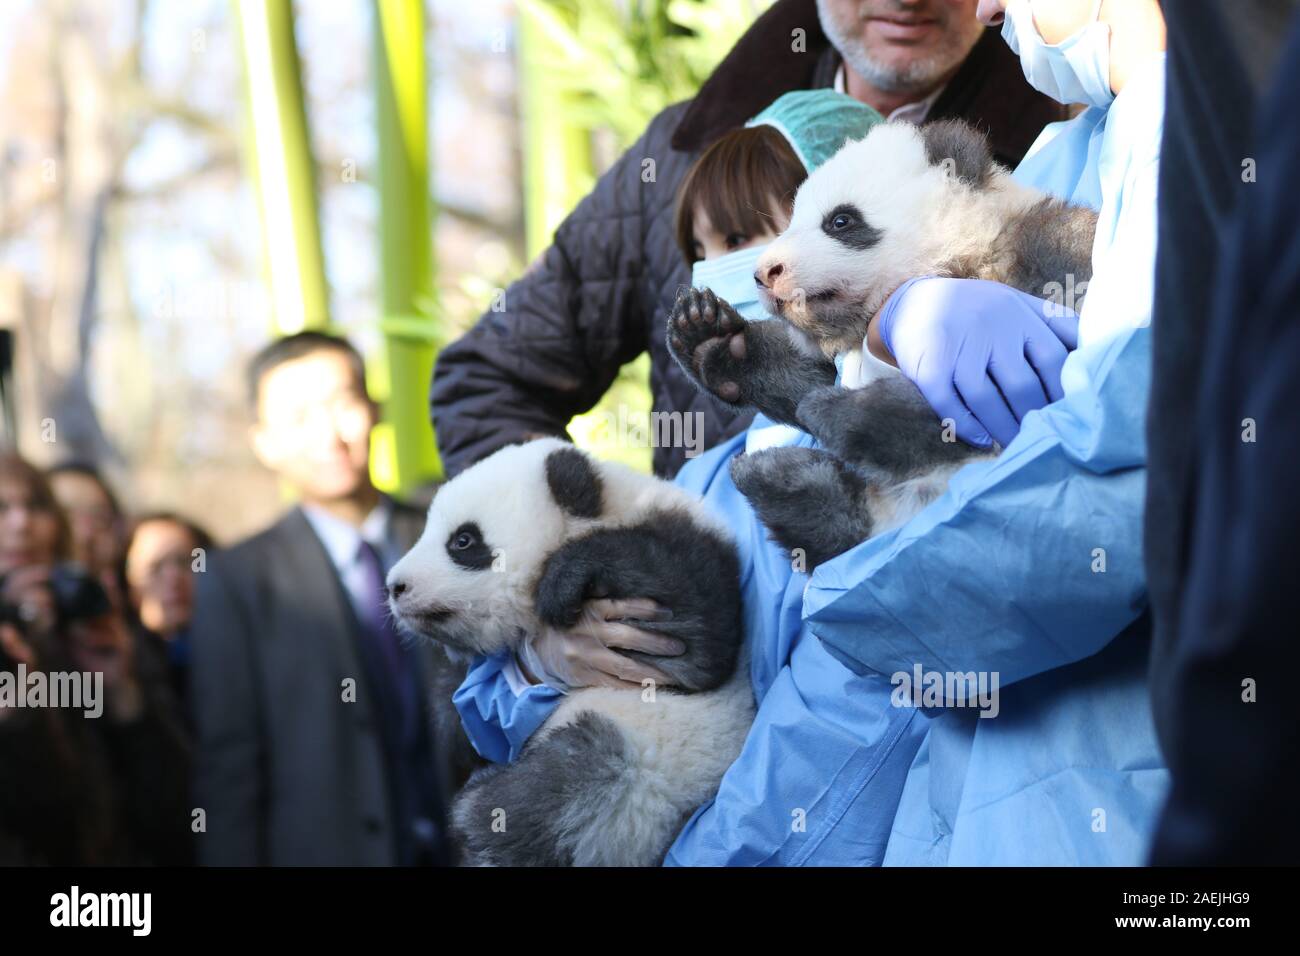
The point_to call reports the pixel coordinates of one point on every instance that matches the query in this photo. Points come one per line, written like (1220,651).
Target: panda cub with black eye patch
(905,201)
(518,542)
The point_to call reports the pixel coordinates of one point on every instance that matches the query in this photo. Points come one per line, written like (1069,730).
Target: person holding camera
(101,783)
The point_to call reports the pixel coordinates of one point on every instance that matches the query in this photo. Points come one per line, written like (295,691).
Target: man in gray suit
(322,738)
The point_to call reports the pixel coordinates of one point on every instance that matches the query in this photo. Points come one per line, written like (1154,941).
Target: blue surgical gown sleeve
(497,720)
(823,766)
(819,777)
(948,592)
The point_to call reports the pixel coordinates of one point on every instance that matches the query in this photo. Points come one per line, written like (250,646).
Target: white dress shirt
(342,542)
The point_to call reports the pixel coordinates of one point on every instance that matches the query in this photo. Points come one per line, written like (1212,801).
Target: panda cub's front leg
(886,429)
(744,364)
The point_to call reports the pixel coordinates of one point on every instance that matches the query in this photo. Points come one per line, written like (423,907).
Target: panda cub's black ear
(574,483)
(960,148)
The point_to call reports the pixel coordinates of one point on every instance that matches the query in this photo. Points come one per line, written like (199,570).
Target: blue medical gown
(497,719)
(1030,566)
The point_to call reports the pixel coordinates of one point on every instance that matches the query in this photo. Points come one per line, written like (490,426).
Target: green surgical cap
(817,123)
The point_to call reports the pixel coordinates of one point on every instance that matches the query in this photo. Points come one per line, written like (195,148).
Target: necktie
(376,618)
(406,737)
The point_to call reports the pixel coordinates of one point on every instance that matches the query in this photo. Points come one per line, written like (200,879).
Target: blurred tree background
(135,272)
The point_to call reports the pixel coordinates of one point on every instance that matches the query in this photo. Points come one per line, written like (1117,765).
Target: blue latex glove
(983,354)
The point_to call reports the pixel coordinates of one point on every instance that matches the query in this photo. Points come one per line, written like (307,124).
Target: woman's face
(159,576)
(710,243)
(96,528)
(29,532)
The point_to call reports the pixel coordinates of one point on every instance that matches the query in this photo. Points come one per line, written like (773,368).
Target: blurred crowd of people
(86,587)
(260,695)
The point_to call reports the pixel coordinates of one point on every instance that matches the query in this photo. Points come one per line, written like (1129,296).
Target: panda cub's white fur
(680,745)
(922,212)
(613,774)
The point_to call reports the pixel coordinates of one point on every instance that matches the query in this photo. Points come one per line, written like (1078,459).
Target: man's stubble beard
(918,76)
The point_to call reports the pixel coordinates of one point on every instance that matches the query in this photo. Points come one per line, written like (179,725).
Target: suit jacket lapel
(307,579)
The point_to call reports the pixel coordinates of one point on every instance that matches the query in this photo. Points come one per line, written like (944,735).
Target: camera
(77,597)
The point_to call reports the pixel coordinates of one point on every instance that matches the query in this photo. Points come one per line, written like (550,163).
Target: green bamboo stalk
(404,455)
(280,156)
(557,163)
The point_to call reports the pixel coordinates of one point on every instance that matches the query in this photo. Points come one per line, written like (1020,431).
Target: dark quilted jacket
(600,295)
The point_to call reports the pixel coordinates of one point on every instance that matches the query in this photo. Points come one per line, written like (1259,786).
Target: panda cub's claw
(707,338)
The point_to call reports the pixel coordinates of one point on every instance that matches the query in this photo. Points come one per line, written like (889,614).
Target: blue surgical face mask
(1076,70)
(731,277)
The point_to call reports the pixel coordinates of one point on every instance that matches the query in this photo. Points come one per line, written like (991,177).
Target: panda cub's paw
(814,505)
(707,338)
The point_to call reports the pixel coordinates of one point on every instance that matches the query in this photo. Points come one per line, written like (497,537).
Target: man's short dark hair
(296,346)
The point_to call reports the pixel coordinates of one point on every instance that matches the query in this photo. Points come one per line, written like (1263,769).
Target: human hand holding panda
(522,542)
(984,355)
(592,652)
(904,202)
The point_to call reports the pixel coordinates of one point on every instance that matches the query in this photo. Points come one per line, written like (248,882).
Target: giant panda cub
(519,541)
(904,201)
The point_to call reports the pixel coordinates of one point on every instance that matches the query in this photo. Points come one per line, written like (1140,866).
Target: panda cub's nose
(396,588)
(765,277)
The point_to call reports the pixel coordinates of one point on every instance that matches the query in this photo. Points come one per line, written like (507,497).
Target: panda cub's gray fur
(905,201)
(518,542)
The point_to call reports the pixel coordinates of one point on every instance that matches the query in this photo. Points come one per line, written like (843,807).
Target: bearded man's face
(902,46)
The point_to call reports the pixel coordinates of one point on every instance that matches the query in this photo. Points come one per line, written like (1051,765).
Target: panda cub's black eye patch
(845,223)
(466,547)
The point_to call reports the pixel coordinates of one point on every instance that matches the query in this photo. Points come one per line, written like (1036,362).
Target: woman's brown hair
(21,472)
(730,181)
